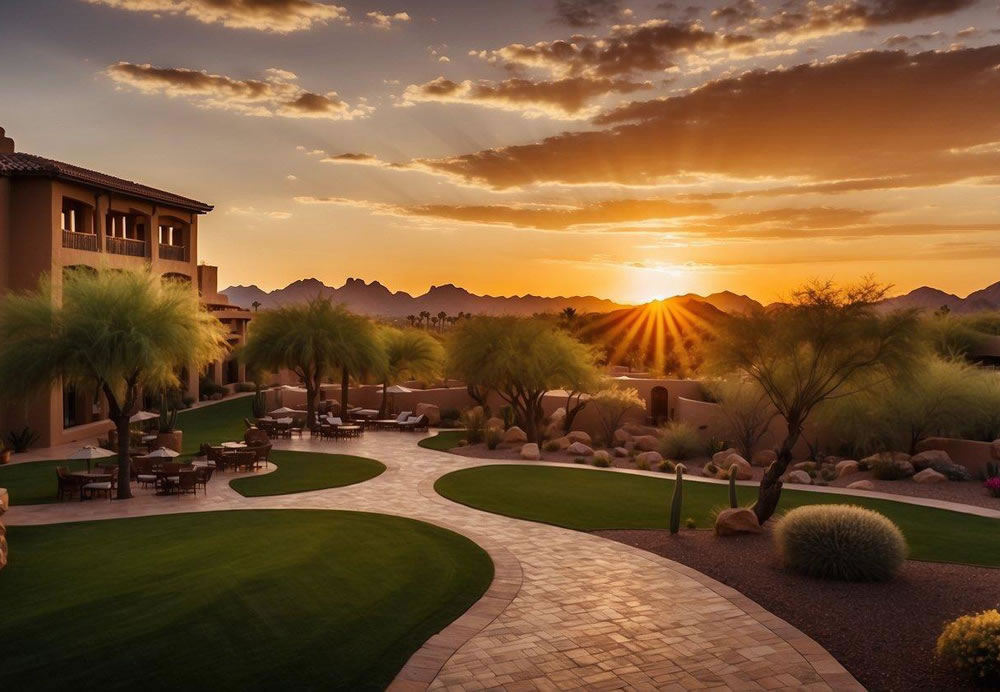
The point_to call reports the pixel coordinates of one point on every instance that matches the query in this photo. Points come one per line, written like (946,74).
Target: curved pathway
(566,610)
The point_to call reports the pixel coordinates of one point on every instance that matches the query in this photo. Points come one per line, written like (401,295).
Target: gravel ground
(883,633)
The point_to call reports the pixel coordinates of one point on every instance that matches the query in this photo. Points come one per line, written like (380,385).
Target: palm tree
(441,317)
(410,352)
(568,314)
(121,331)
(435,320)
(424,315)
(412,319)
(313,340)
(256,304)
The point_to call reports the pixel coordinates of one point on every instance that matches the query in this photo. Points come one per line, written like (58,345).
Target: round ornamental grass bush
(840,542)
(971,645)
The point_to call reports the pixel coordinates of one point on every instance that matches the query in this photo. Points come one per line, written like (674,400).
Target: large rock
(799,477)
(578,449)
(637,430)
(720,457)
(432,411)
(744,472)
(530,452)
(646,443)
(939,461)
(806,466)
(846,468)
(602,455)
(861,485)
(563,442)
(764,457)
(929,476)
(515,435)
(579,436)
(4,500)
(905,467)
(621,452)
(622,436)
(652,459)
(558,415)
(494,423)
(734,521)
(867,462)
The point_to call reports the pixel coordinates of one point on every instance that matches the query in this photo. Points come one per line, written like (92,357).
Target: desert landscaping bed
(883,633)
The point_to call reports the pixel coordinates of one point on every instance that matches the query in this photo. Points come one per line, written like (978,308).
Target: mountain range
(377,300)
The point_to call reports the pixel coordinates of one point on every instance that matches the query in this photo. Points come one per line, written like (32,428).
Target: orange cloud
(278,16)
(275,95)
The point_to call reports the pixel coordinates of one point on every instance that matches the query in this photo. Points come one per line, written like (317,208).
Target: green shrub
(601,463)
(580,460)
(494,436)
(474,420)
(642,465)
(667,466)
(681,441)
(551,446)
(971,645)
(22,440)
(827,473)
(840,542)
(244,387)
(691,523)
(450,414)
(208,388)
(885,468)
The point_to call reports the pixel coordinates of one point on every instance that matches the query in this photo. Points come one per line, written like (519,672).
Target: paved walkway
(567,610)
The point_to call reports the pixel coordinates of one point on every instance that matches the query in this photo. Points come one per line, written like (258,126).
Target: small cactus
(675,505)
(732,487)
(168,415)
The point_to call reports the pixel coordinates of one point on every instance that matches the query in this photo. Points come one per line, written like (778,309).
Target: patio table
(166,480)
(348,430)
(234,445)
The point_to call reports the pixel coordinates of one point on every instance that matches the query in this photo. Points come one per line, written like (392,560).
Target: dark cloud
(874,114)
(560,98)
(809,17)
(584,13)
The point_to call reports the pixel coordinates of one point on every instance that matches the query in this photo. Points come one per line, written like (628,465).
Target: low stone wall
(969,453)
(4,503)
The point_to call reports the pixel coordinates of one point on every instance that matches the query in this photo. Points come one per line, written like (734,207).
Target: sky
(628,149)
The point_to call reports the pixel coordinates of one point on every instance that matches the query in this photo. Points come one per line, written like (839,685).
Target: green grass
(591,500)
(246,600)
(219,422)
(300,472)
(443,441)
(34,483)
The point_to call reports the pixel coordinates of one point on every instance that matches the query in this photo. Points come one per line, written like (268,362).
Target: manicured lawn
(590,500)
(243,600)
(219,422)
(299,472)
(34,483)
(443,441)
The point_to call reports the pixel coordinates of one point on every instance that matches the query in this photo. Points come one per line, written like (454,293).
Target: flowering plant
(993,486)
(971,644)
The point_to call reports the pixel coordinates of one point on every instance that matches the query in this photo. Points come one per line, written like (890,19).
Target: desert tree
(121,331)
(823,344)
(521,360)
(314,340)
(746,410)
(409,352)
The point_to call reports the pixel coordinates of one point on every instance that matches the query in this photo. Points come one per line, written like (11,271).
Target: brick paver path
(567,610)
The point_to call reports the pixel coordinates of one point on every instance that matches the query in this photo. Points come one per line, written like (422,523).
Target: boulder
(558,415)
(432,411)
(867,462)
(804,466)
(929,476)
(578,449)
(602,455)
(636,430)
(734,521)
(846,468)
(494,422)
(515,435)
(744,471)
(764,457)
(861,485)
(719,457)
(621,452)
(563,442)
(650,458)
(622,436)
(906,467)
(579,436)
(646,443)
(729,460)
(4,500)
(530,452)
(928,458)
(799,477)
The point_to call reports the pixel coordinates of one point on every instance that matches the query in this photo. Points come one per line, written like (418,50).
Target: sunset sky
(629,150)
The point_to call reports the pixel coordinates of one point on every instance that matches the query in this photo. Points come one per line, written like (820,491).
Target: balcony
(178,253)
(80,241)
(125,246)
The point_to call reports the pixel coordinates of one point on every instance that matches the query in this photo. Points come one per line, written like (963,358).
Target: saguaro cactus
(732,487)
(675,505)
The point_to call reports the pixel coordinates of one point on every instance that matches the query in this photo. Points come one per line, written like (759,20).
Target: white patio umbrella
(162,453)
(90,452)
(283,411)
(142,416)
(398,389)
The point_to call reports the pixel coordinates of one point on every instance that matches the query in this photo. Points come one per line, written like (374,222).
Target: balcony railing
(80,241)
(125,246)
(173,252)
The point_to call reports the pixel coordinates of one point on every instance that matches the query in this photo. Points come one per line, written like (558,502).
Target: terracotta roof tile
(20,164)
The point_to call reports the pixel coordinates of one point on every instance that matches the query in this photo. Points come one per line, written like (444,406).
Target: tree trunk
(345,385)
(572,411)
(770,485)
(311,393)
(124,461)
(385,399)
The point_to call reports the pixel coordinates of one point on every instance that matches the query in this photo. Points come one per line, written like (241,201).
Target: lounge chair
(414,423)
(68,483)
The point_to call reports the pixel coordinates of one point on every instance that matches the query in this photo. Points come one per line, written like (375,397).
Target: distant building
(55,217)
(228,371)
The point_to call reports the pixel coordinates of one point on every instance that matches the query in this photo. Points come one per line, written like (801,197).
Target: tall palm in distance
(409,352)
(412,319)
(425,316)
(441,319)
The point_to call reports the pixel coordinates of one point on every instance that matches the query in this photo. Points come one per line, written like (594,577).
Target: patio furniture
(347,431)
(415,423)
(245,459)
(168,478)
(187,482)
(144,473)
(263,453)
(202,476)
(68,484)
(102,484)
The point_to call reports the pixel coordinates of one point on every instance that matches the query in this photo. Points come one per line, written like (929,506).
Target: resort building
(234,318)
(56,217)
